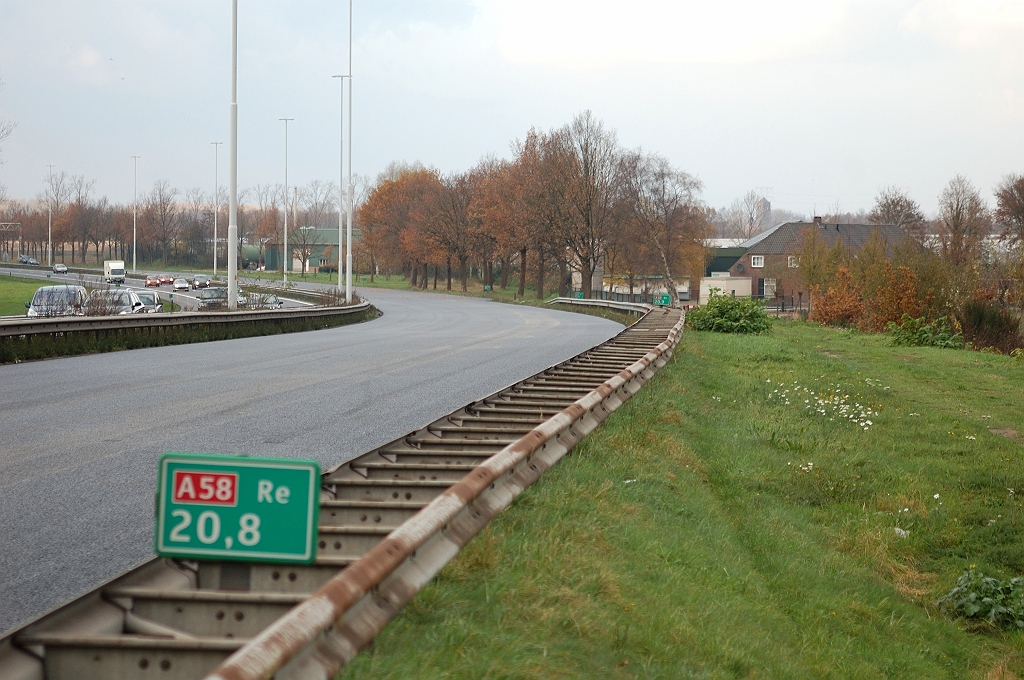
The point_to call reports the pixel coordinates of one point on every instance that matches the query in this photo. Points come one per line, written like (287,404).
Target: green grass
(15,292)
(729,556)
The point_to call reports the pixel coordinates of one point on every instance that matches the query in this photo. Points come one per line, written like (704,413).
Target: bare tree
(6,130)
(1010,209)
(163,216)
(662,200)
(964,221)
(894,205)
(592,152)
(319,203)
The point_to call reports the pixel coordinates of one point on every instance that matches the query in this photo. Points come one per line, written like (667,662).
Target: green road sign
(236,508)
(664,300)
(579,295)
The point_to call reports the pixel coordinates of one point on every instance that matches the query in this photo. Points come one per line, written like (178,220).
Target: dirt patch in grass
(1007,432)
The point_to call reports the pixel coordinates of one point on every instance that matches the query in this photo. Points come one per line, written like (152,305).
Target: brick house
(771,261)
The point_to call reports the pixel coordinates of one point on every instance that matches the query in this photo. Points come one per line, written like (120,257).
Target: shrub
(896,297)
(727,314)
(911,332)
(977,596)
(840,304)
(986,324)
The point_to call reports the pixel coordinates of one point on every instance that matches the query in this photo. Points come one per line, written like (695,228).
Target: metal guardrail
(318,637)
(73,324)
(390,518)
(633,307)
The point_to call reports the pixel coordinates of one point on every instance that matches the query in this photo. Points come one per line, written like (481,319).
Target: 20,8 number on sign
(227,507)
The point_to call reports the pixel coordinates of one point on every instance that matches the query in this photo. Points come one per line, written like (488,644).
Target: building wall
(776,267)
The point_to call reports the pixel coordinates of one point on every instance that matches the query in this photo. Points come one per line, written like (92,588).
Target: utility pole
(233,153)
(348,253)
(216,200)
(49,219)
(135,211)
(284,255)
(341,181)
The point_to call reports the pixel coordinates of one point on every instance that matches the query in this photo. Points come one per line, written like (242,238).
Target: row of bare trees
(170,227)
(570,199)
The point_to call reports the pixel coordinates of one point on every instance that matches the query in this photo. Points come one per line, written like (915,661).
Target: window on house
(757,260)
(794,261)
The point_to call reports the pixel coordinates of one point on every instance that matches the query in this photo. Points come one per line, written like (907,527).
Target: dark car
(200,281)
(33,261)
(22,259)
(211,299)
(57,301)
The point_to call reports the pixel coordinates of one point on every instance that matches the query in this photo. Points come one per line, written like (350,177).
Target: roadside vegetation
(784,505)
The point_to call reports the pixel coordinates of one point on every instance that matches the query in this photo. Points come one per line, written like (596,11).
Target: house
(770,259)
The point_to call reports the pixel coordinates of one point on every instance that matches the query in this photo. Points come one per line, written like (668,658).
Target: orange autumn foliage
(841,304)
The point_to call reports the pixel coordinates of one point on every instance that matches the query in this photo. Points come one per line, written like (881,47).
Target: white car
(180,284)
(60,268)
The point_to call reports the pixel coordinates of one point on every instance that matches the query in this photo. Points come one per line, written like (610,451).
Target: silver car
(151,300)
(114,302)
(57,301)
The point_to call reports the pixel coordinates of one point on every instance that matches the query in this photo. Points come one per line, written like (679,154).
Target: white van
(113,271)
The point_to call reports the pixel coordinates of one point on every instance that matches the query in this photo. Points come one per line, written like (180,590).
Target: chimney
(817,220)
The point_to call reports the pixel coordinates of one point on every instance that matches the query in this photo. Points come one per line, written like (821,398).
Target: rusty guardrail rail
(76,324)
(390,519)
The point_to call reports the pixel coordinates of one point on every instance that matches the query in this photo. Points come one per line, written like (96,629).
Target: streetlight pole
(216,200)
(341,178)
(233,162)
(348,253)
(49,219)
(135,210)
(284,254)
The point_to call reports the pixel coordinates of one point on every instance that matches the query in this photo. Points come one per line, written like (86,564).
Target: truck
(113,271)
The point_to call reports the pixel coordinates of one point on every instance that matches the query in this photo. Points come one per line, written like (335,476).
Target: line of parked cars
(68,300)
(50,301)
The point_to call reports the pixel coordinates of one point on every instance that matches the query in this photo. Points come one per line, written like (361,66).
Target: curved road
(80,436)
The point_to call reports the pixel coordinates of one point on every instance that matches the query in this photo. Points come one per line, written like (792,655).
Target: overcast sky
(810,103)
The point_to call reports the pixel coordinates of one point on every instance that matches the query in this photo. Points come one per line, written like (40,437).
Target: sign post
(236,508)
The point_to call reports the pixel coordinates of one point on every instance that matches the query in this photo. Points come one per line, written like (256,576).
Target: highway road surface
(80,436)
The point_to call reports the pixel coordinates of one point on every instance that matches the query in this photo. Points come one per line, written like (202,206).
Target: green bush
(911,332)
(727,314)
(977,596)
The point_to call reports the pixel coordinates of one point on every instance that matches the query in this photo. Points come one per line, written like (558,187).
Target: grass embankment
(15,292)
(711,529)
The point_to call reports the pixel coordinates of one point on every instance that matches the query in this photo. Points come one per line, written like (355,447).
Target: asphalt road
(80,436)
